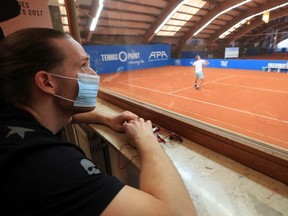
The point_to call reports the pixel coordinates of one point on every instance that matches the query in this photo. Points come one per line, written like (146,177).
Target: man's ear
(45,82)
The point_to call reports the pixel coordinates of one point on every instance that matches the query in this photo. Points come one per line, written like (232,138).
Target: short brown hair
(22,54)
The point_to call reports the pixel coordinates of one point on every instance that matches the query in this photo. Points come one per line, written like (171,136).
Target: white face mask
(88,90)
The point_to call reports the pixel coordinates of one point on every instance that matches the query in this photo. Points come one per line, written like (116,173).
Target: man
(45,79)
(198,71)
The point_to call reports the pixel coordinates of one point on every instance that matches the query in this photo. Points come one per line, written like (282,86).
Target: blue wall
(108,59)
(230,63)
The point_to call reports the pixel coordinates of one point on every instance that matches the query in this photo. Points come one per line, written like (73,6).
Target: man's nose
(91,71)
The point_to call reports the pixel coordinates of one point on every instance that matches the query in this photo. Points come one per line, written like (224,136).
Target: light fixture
(95,19)
(169,16)
(266,16)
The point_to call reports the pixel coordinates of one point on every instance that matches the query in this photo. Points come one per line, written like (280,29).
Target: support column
(72,20)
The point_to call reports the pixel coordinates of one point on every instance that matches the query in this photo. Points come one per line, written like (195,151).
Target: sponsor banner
(21,14)
(233,63)
(108,59)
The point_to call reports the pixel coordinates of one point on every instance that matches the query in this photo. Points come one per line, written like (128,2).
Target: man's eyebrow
(87,56)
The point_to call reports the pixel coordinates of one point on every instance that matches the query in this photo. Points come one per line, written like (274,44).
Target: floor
(251,103)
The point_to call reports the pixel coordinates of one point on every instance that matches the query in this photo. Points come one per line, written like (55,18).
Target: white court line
(220,79)
(261,89)
(213,104)
(248,75)
(237,110)
(231,125)
(180,89)
(193,84)
(142,87)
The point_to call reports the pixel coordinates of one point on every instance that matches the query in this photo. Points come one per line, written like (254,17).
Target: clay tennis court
(248,102)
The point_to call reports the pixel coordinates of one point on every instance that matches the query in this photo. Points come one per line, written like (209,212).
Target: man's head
(22,55)
(197,57)
(30,57)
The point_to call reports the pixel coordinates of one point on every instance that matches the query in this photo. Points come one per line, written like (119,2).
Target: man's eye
(84,67)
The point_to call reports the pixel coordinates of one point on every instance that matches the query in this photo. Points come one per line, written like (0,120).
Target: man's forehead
(73,50)
(67,44)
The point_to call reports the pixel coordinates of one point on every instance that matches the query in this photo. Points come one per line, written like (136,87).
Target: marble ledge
(218,185)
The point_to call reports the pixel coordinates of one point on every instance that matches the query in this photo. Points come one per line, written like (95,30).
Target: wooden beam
(72,20)
(150,32)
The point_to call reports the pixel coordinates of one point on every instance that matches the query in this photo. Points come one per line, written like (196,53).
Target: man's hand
(140,134)
(116,121)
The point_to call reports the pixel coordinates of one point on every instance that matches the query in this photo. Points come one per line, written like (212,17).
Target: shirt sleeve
(57,179)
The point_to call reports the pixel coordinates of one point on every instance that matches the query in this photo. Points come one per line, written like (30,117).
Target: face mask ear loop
(64,77)
(64,98)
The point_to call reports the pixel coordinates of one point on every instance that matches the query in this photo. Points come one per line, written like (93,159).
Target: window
(166,94)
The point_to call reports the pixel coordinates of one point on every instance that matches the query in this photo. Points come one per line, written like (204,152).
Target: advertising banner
(108,59)
(247,64)
(15,15)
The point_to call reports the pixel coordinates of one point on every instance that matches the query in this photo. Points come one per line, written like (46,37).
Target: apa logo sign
(158,55)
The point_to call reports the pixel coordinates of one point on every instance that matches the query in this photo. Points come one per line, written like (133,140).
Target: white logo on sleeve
(18,130)
(89,167)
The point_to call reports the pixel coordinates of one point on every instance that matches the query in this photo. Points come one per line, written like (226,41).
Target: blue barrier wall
(230,63)
(108,59)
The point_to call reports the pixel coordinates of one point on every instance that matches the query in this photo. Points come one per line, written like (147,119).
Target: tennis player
(198,64)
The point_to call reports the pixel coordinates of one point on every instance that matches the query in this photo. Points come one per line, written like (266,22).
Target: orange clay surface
(252,103)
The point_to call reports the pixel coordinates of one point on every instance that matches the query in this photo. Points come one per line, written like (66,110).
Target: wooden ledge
(270,161)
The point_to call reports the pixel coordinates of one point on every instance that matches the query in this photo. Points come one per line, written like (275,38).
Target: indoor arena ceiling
(214,21)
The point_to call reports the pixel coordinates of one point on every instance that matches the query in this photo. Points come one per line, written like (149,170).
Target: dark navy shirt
(43,175)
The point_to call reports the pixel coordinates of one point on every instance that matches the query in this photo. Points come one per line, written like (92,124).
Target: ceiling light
(169,16)
(95,19)
(266,16)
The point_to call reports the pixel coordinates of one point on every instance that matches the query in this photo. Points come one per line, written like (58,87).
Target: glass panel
(136,62)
